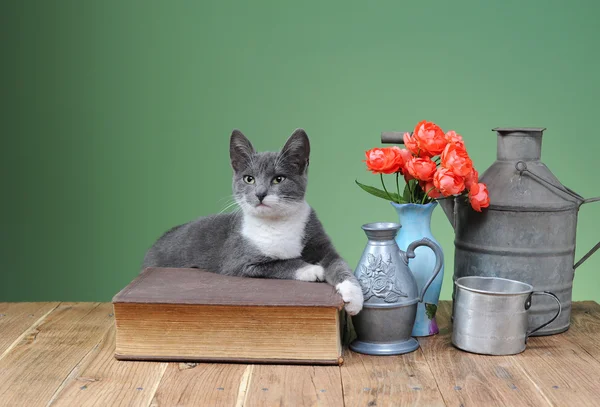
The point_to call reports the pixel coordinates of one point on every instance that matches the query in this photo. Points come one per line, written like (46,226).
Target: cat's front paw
(352,295)
(314,272)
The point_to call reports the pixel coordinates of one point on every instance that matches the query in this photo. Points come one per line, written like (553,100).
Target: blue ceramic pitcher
(416,224)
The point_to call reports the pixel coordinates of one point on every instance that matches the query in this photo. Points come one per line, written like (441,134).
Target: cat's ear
(240,150)
(297,151)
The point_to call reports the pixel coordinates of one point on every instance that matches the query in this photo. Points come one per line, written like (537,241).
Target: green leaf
(430,310)
(406,195)
(418,192)
(381,193)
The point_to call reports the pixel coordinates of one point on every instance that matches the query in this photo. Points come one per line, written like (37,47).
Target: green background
(116,115)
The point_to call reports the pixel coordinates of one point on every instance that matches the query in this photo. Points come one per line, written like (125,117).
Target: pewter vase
(391,295)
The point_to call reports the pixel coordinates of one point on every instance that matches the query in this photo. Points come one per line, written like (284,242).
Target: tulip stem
(412,192)
(384,188)
(397,184)
(427,194)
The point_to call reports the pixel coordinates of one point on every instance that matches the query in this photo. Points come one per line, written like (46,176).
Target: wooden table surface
(62,354)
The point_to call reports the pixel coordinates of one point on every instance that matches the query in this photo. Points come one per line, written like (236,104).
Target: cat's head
(270,184)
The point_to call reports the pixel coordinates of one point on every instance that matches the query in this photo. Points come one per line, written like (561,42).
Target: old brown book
(175,314)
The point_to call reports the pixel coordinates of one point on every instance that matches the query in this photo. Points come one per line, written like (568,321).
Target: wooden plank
(278,385)
(206,384)
(403,380)
(585,327)
(100,379)
(66,357)
(467,379)
(36,367)
(17,317)
(582,311)
(565,372)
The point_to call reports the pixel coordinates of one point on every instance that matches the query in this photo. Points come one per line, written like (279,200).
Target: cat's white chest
(279,239)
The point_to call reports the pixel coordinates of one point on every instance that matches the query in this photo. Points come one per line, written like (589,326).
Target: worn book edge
(122,296)
(118,297)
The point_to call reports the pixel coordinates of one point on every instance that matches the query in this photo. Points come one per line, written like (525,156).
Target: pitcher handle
(528,304)
(439,260)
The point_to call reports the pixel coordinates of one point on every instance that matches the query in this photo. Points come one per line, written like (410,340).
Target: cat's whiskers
(231,205)
(226,200)
(231,202)
(236,211)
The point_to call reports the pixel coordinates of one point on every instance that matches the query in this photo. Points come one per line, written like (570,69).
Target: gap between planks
(38,364)
(71,375)
(342,385)
(99,364)
(437,384)
(85,362)
(27,331)
(75,370)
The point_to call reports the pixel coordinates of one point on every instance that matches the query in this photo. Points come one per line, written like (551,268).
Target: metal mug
(490,315)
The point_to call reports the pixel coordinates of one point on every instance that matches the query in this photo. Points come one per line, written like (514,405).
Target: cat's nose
(261,195)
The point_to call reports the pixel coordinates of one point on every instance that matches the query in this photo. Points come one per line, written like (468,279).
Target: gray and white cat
(275,235)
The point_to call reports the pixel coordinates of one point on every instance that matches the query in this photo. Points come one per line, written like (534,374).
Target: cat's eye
(278,179)
(248,179)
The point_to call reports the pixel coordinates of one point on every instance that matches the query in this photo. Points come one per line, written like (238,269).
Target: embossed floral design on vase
(378,279)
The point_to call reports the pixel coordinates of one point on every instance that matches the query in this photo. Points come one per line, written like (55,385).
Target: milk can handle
(439,260)
(587,256)
(521,166)
(393,137)
(528,304)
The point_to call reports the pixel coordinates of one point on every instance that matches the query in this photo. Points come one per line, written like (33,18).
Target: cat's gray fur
(241,243)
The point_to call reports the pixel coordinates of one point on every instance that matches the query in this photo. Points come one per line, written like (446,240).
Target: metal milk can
(384,325)
(490,315)
(527,233)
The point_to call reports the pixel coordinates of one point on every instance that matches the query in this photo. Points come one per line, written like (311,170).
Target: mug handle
(439,260)
(528,304)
